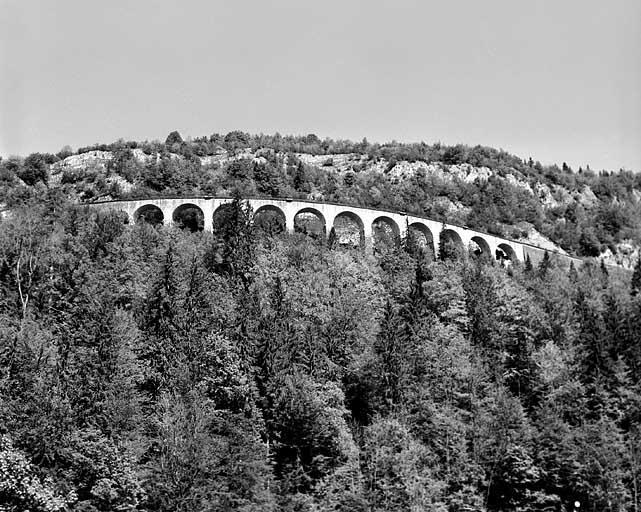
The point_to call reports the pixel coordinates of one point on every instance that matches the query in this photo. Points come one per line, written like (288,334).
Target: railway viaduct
(352,225)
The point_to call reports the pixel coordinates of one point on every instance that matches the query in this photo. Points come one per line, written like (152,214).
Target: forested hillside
(151,368)
(583,212)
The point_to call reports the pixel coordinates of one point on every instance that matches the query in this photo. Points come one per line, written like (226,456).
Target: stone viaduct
(349,222)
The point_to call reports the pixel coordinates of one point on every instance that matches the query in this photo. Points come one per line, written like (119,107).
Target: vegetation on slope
(155,369)
(583,212)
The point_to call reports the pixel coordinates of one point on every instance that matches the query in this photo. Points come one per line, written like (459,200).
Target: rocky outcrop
(462,172)
(626,256)
(80,164)
(535,238)
(343,162)
(83,161)
(515,182)
(124,185)
(587,198)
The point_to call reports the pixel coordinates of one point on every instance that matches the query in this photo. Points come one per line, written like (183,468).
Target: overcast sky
(558,80)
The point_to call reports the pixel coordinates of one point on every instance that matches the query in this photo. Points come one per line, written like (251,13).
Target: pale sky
(558,80)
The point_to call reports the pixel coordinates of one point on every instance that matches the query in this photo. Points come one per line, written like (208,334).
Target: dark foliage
(151,368)
(145,367)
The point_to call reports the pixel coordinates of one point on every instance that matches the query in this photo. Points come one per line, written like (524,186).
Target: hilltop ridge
(582,213)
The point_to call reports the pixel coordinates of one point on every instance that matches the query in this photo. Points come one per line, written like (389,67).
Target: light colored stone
(82,161)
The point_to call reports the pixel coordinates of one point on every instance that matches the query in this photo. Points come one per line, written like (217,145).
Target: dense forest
(152,368)
(583,212)
(149,367)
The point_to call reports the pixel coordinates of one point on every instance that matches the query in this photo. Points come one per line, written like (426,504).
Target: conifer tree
(390,348)
(545,264)
(635,285)
(234,240)
(410,242)
(331,240)
(604,270)
(173,138)
(299,176)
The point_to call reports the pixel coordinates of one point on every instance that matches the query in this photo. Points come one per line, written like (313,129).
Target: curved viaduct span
(367,220)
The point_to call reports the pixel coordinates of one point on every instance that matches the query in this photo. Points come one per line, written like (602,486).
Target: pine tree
(299,176)
(158,322)
(331,240)
(594,335)
(604,270)
(173,138)
(635,285)
(233,250)
(390,348)
(410,242)
(545,264)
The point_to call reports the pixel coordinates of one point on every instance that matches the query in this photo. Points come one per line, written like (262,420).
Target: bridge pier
(289,224)
(168,215)
(368,235)
(436,237)
(208,214)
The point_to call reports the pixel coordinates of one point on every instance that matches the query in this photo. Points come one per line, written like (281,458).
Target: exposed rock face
(462,172)
(626,256)
(343,162)
(223,156)
(82,161)
(587,197)
(124,185)
(143,157)
(453,210)
(315,196)
(211,159)
(95,160)
(544,194)
(535,238)
(512,180)
(469,173)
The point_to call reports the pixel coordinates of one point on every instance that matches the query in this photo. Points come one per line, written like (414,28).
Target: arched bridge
(352,225)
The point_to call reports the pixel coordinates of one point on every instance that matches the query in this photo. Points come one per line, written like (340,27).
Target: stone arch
(270,220)
(479,247)
(225,212)
(219,215)
(189,216)
(423,236)
(349,230)
(450,245)
(150,214)
(385,232)
(505,252)
(311,222)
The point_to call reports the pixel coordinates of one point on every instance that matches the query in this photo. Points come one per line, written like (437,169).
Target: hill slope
(152,368)
(583,213)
